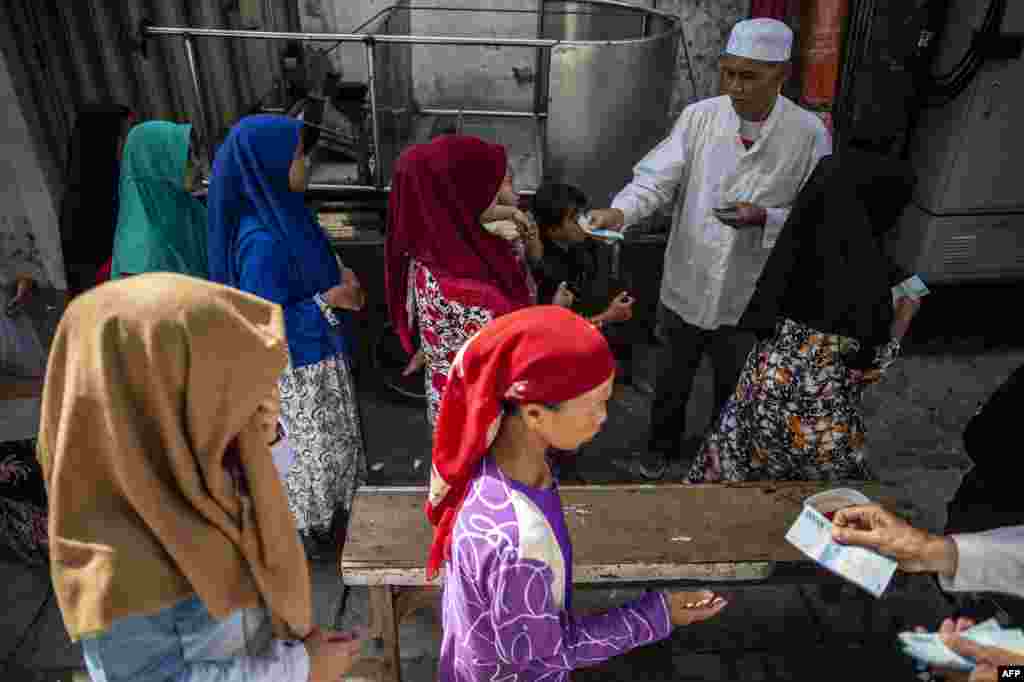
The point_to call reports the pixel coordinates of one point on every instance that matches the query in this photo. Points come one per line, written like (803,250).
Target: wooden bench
(649,535)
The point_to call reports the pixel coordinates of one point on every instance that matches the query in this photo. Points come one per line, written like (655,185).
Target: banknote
(929,649)
(913,287)
(812,535)
(585,221)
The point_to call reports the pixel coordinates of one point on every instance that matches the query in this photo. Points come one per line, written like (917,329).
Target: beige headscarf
(149,379)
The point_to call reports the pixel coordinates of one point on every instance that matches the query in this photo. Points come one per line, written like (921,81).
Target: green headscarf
(160,226)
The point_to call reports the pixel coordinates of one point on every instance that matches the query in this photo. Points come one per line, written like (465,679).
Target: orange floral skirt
(796,414)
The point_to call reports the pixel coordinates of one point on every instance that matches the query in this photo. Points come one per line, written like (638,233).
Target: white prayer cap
(766,40)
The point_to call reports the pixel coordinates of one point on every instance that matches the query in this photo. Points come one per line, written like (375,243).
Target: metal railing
(372,40)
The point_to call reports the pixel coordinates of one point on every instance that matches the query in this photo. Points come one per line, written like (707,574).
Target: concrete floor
(915,420)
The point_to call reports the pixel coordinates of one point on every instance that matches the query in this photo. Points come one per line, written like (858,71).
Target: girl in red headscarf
(443,272)
(530,381)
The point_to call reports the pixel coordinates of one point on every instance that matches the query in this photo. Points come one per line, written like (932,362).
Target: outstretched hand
(687,608)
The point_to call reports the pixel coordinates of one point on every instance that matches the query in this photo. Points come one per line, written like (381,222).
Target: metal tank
(583,106)
(577,91)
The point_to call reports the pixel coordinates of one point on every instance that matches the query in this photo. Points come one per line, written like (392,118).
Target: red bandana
(543,354)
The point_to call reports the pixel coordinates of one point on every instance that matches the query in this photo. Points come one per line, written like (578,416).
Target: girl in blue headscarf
(264,240)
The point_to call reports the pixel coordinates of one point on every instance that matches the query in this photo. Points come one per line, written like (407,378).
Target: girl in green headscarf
(161,227)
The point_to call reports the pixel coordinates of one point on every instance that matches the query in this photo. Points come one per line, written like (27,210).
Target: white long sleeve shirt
(992,561)
(711,269)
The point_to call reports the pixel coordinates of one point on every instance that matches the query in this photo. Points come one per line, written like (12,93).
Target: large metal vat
(577,91)
(583,110)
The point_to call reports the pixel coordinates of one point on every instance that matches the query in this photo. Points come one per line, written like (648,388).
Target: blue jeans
(185,644)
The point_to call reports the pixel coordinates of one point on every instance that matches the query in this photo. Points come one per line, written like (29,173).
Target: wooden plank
(597,574)
(388,627)
(617,531)
(13,388)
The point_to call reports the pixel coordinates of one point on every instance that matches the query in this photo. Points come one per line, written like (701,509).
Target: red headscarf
(543,354)
(438,192)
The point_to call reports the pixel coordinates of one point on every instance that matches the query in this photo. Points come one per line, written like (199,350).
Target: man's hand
(916,551)
(621,309)
(748,215)
(687,608)
(950,626)
(607,219)
(987,658)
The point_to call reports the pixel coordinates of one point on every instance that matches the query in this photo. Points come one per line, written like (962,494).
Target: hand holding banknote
(986,659)
(875,528)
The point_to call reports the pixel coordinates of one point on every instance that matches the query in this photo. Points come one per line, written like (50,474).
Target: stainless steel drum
(583,108)
(577,91)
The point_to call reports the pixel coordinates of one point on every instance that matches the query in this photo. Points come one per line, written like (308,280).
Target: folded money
(910,288)
(929,649)
(586,222)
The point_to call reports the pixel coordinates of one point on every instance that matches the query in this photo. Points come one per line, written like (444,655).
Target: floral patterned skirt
(445,325)
(23,533)
(321,415)
(796,414)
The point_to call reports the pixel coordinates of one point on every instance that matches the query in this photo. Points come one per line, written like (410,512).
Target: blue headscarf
(250,178)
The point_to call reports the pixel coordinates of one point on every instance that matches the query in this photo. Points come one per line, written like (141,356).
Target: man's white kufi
(766,40)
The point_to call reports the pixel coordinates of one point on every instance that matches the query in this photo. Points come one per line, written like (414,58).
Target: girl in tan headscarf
(173,553)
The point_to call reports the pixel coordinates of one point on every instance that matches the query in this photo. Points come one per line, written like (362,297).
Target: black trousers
(685,346)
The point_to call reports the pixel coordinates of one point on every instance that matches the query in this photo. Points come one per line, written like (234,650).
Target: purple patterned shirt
(508,587)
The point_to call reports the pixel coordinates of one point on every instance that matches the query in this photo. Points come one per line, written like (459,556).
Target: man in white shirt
(992,561)
(751,150)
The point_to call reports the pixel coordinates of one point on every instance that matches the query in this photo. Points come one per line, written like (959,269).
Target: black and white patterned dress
(321,415)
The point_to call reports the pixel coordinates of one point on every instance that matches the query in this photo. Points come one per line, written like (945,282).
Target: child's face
(569,230)
(575,422)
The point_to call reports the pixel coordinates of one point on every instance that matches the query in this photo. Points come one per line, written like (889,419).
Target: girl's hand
(563,297)
(687,608)
(331,654)
(528,230)
(621,309)
(348,295)
(268,413)
(905,310)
